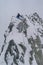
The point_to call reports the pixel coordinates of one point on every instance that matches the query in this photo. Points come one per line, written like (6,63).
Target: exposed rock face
(23,41)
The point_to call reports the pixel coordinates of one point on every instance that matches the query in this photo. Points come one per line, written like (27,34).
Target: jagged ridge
(29,32)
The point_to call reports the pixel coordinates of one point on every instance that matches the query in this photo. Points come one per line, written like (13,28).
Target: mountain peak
(23,41)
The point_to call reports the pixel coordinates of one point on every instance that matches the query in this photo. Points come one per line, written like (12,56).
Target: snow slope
(23,41)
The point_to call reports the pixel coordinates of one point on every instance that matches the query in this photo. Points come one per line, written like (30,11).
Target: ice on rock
(23,41)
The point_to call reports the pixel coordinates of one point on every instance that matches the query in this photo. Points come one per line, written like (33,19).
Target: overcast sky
(9,8)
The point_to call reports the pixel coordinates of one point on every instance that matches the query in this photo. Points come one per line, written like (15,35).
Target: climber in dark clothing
(20,16)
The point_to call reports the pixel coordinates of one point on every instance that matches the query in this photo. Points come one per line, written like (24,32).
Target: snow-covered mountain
(23,41)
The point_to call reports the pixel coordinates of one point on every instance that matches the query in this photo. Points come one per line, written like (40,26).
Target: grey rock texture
(23,41)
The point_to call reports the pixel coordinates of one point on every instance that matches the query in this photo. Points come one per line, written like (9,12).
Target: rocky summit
(23,41)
